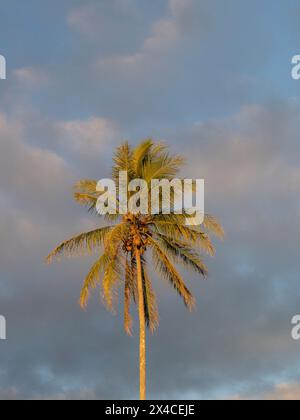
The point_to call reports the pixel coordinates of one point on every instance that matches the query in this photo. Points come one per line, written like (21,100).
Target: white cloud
(96,20)
(84,19)
(284,392)
(247,152)
(281,392)
(218,147)
(165,38)
(32,178)
(24,166)
(30,77)
(87,137)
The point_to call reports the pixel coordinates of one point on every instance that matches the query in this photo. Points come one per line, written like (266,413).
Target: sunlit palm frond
(169,272)
(129,294)
(92,279)
(211,224)
(111,280)
(85,193)
(114,269)
(158,148)
(150,304)
(164,166)
(123,161)
(200,235)
(114,238)
(131,273)
(195,237)
(178,219)
(86,186)
(183,253)
(85,242)
(140,156)
(168,236)
(175,231)
(88,200)
(127,316)
(122,247)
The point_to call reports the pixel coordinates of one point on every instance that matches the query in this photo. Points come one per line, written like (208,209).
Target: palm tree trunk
(142,327)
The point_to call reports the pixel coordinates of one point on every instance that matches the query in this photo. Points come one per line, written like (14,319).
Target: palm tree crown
(124,247)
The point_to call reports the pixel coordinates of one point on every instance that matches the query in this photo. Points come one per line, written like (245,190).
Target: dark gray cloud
(240,335)
(179,68)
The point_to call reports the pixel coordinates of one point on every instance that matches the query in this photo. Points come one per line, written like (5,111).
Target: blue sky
(213,79)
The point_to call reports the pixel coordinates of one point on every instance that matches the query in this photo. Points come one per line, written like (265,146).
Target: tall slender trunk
(142,326)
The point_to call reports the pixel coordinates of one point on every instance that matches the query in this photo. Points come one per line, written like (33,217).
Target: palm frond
(162,167)
(140,155)
(85,199)
(168,236)
(86,186)
(193,236)
(150,304)
(87,242)
(127,300)
(211,224)
(127,316)
(179,219)
(183,253)
(129,292)
(114,269)
(92,279)
(112,278)
(85,193)
(114,238)
(123,161)
(169,272)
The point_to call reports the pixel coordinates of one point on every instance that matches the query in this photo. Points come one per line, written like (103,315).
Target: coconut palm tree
(124,246)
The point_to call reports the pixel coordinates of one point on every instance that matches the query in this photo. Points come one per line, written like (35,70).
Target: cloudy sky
(213,79)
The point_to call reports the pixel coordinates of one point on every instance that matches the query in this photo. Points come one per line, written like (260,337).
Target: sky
(213,80)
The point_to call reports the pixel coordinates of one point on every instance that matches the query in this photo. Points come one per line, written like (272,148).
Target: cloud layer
(176,71)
